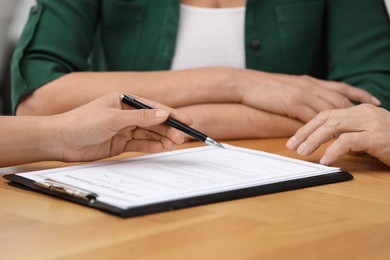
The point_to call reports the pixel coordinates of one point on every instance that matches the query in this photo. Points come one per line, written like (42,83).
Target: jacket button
(34,9)
(255,44)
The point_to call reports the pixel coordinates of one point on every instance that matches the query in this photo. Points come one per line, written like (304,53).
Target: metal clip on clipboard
(68,190)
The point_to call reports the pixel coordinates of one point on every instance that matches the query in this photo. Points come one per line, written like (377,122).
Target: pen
(136,103)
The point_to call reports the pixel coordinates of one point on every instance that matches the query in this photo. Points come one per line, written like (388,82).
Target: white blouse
(210,37)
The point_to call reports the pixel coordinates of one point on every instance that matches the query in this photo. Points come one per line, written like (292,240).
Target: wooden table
(348,220)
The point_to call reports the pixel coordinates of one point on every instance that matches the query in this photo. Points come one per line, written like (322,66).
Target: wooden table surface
(348,220)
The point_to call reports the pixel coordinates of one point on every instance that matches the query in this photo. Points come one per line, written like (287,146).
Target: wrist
(252,87)
(230,84)
(50,136)
(241,79)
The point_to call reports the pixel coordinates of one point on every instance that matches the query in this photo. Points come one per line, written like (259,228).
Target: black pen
(136,103)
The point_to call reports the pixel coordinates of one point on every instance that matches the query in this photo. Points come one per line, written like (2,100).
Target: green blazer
(342,40)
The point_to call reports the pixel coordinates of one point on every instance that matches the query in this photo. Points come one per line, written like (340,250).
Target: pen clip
(68,190)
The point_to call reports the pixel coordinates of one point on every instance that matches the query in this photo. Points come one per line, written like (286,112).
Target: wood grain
(349,220)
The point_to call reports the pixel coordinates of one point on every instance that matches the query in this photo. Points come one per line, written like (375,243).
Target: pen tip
(214,143)
(220,145)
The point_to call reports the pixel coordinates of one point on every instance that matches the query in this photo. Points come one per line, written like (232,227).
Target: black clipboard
(89,199)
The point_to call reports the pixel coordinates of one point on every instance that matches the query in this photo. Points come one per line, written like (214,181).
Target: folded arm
(237,121)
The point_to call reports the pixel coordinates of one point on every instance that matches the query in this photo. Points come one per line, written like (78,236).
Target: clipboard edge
(329,178)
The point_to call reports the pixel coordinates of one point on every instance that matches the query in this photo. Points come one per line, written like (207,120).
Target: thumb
(146,117)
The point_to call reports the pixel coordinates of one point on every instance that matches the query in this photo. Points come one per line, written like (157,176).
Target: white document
(180,174)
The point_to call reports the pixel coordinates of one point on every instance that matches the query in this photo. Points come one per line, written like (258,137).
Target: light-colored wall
(7,8)
(13,16)
(19,20)
(387,2)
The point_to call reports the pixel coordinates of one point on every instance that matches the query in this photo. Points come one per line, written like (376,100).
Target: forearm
(173,88)
(26,139)
(236,121)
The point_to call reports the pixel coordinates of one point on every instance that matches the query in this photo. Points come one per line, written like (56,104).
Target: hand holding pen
(138,104)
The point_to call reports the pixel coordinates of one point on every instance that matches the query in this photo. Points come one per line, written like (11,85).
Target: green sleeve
(56,40)
(359,45)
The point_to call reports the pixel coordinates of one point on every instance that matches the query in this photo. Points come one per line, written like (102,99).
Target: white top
(210,37)
(387,3)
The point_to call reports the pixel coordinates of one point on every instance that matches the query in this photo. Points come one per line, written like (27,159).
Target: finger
(346,142)
(149,119)
(168,144)
(326,126)
(323,134)
(302,133)
(324,89)
(120,141)
(304,113)
(353,93)
(175,135)
(119,119)
(111,100)
(360,95)
(172,112)
(333,97)
(144,134)
(145,146)
(320,104)
(335,122)
(164,132)
(323,127)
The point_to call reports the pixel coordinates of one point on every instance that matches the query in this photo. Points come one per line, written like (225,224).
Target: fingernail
(324,161)
(291,142)
(161,113)
(302,149)
(376,101)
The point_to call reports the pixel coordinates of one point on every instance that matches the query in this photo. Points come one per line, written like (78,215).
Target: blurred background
(13,16)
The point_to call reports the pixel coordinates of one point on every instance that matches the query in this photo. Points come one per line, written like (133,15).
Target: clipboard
(93,199)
